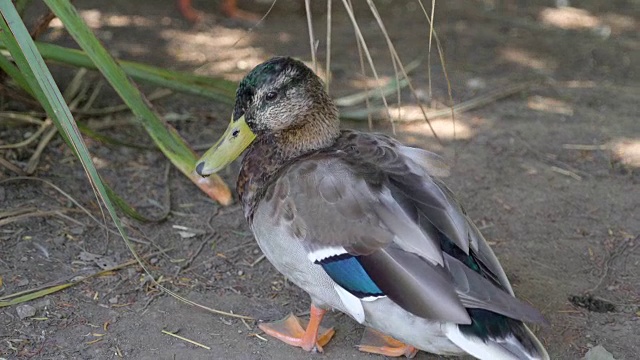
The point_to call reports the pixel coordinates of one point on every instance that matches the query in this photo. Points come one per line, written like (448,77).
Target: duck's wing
(342,218)
(359,217)
(414,175)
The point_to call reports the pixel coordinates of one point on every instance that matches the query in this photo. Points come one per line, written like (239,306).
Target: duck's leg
(189,13)
(230,9)
(378,343)
(297,332)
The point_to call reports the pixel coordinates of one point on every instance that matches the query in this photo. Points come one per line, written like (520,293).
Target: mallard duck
(365,226)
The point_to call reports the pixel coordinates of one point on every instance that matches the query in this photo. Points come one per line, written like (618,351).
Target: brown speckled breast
(266,158)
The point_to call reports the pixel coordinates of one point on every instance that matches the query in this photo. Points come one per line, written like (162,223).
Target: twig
(363,96)
(257,260)
(245,324)
(185,339)
(31,118)
(244,244)
(546,157)
(396,58)
(70,219)
(79,278)
(198,251)
(312,39)
(356,27)
(42,24)
(585,147)
(259,337)
(167,193)
(464,106)
(158,94)
(144,307)
(35,157)
(566,173)
(20,211)
(45,125)
(607,264)
(7,164)
(74,201)
(94,95)
(36,213)
(215,213)
(328,48)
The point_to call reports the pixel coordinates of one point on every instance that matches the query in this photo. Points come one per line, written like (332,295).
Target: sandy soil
(564,221)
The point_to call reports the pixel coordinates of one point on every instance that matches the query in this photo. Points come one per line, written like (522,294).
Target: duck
(366,226)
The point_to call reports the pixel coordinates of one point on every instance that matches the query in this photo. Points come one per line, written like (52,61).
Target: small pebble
(59,240)
(25,311)
(78,230)
(598,353)
(240,272)
(43,304)
(476,84)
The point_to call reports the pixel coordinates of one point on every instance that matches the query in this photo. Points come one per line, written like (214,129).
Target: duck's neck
(292,143)
(269,153)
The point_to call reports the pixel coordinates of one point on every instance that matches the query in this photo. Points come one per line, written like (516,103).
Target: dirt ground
(563,219)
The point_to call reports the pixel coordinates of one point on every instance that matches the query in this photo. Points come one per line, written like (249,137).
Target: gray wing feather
(342,209)
(431,164)
(416,285)
(479,245)
(474,291)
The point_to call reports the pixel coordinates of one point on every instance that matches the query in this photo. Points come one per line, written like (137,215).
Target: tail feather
(522,345)
(539,347)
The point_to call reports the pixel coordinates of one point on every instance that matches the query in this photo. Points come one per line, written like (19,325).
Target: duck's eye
(271,95)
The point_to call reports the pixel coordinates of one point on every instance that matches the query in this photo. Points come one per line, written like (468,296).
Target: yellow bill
(235,139)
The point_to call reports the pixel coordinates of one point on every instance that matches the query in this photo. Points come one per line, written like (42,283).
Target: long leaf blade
(164,136)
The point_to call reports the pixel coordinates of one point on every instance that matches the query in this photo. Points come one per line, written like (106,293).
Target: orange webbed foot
(294,331)
(378,343)
(188,12)
(230,9)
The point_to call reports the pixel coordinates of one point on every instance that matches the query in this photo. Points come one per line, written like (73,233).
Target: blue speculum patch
(347,272)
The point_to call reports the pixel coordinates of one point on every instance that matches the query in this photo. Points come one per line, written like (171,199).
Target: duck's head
(282,100)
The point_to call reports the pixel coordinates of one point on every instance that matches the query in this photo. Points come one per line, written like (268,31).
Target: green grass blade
(20,56)
(164,136)
(34,295)
(13,72)
(31,83)
(107,140)
(40,80)
(213,88)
